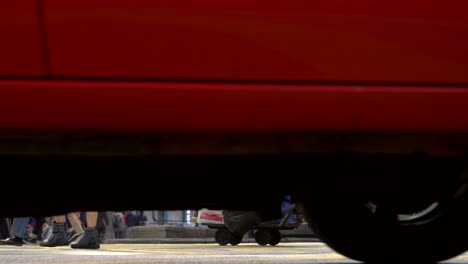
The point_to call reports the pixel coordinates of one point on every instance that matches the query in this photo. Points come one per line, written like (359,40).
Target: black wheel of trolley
(235,240)
(263,237)
(275,237)
(223,236)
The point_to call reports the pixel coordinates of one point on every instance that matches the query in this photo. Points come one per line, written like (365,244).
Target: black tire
(379,234)
(275,237)
(223,236)
(235,240)
(263,237)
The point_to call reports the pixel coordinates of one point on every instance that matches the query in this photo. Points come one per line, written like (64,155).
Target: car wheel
(373,231)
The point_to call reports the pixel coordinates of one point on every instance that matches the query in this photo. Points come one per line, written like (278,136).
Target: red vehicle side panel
(294,40)
(20,46)
(415,108)
(163,107)
(181,107)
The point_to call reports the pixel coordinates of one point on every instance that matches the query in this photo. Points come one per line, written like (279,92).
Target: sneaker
(74,236)
(30,241)
(46,232)
(12,241)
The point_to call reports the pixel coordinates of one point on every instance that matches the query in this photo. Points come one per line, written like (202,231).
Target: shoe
(30,241)
(58,237)
(74,236)
(89,240)
(12,241)
(46,233)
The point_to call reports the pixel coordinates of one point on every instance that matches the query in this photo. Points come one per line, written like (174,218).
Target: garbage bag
(240,222)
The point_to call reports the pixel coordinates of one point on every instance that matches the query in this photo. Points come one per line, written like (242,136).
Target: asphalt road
(291,253)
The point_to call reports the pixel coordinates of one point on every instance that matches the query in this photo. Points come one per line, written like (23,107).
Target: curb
(197,240)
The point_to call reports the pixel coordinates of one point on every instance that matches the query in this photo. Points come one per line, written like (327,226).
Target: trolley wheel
(263,237)
(235,240)
(275,237)
(223,236)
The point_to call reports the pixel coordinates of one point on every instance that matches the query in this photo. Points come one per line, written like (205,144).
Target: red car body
(221,79)
(191,66)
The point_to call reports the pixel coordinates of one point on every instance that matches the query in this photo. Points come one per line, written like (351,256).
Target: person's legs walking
(76,225)
(90,239)
(37,230)
(18,229)
(19,226)
(59,233)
